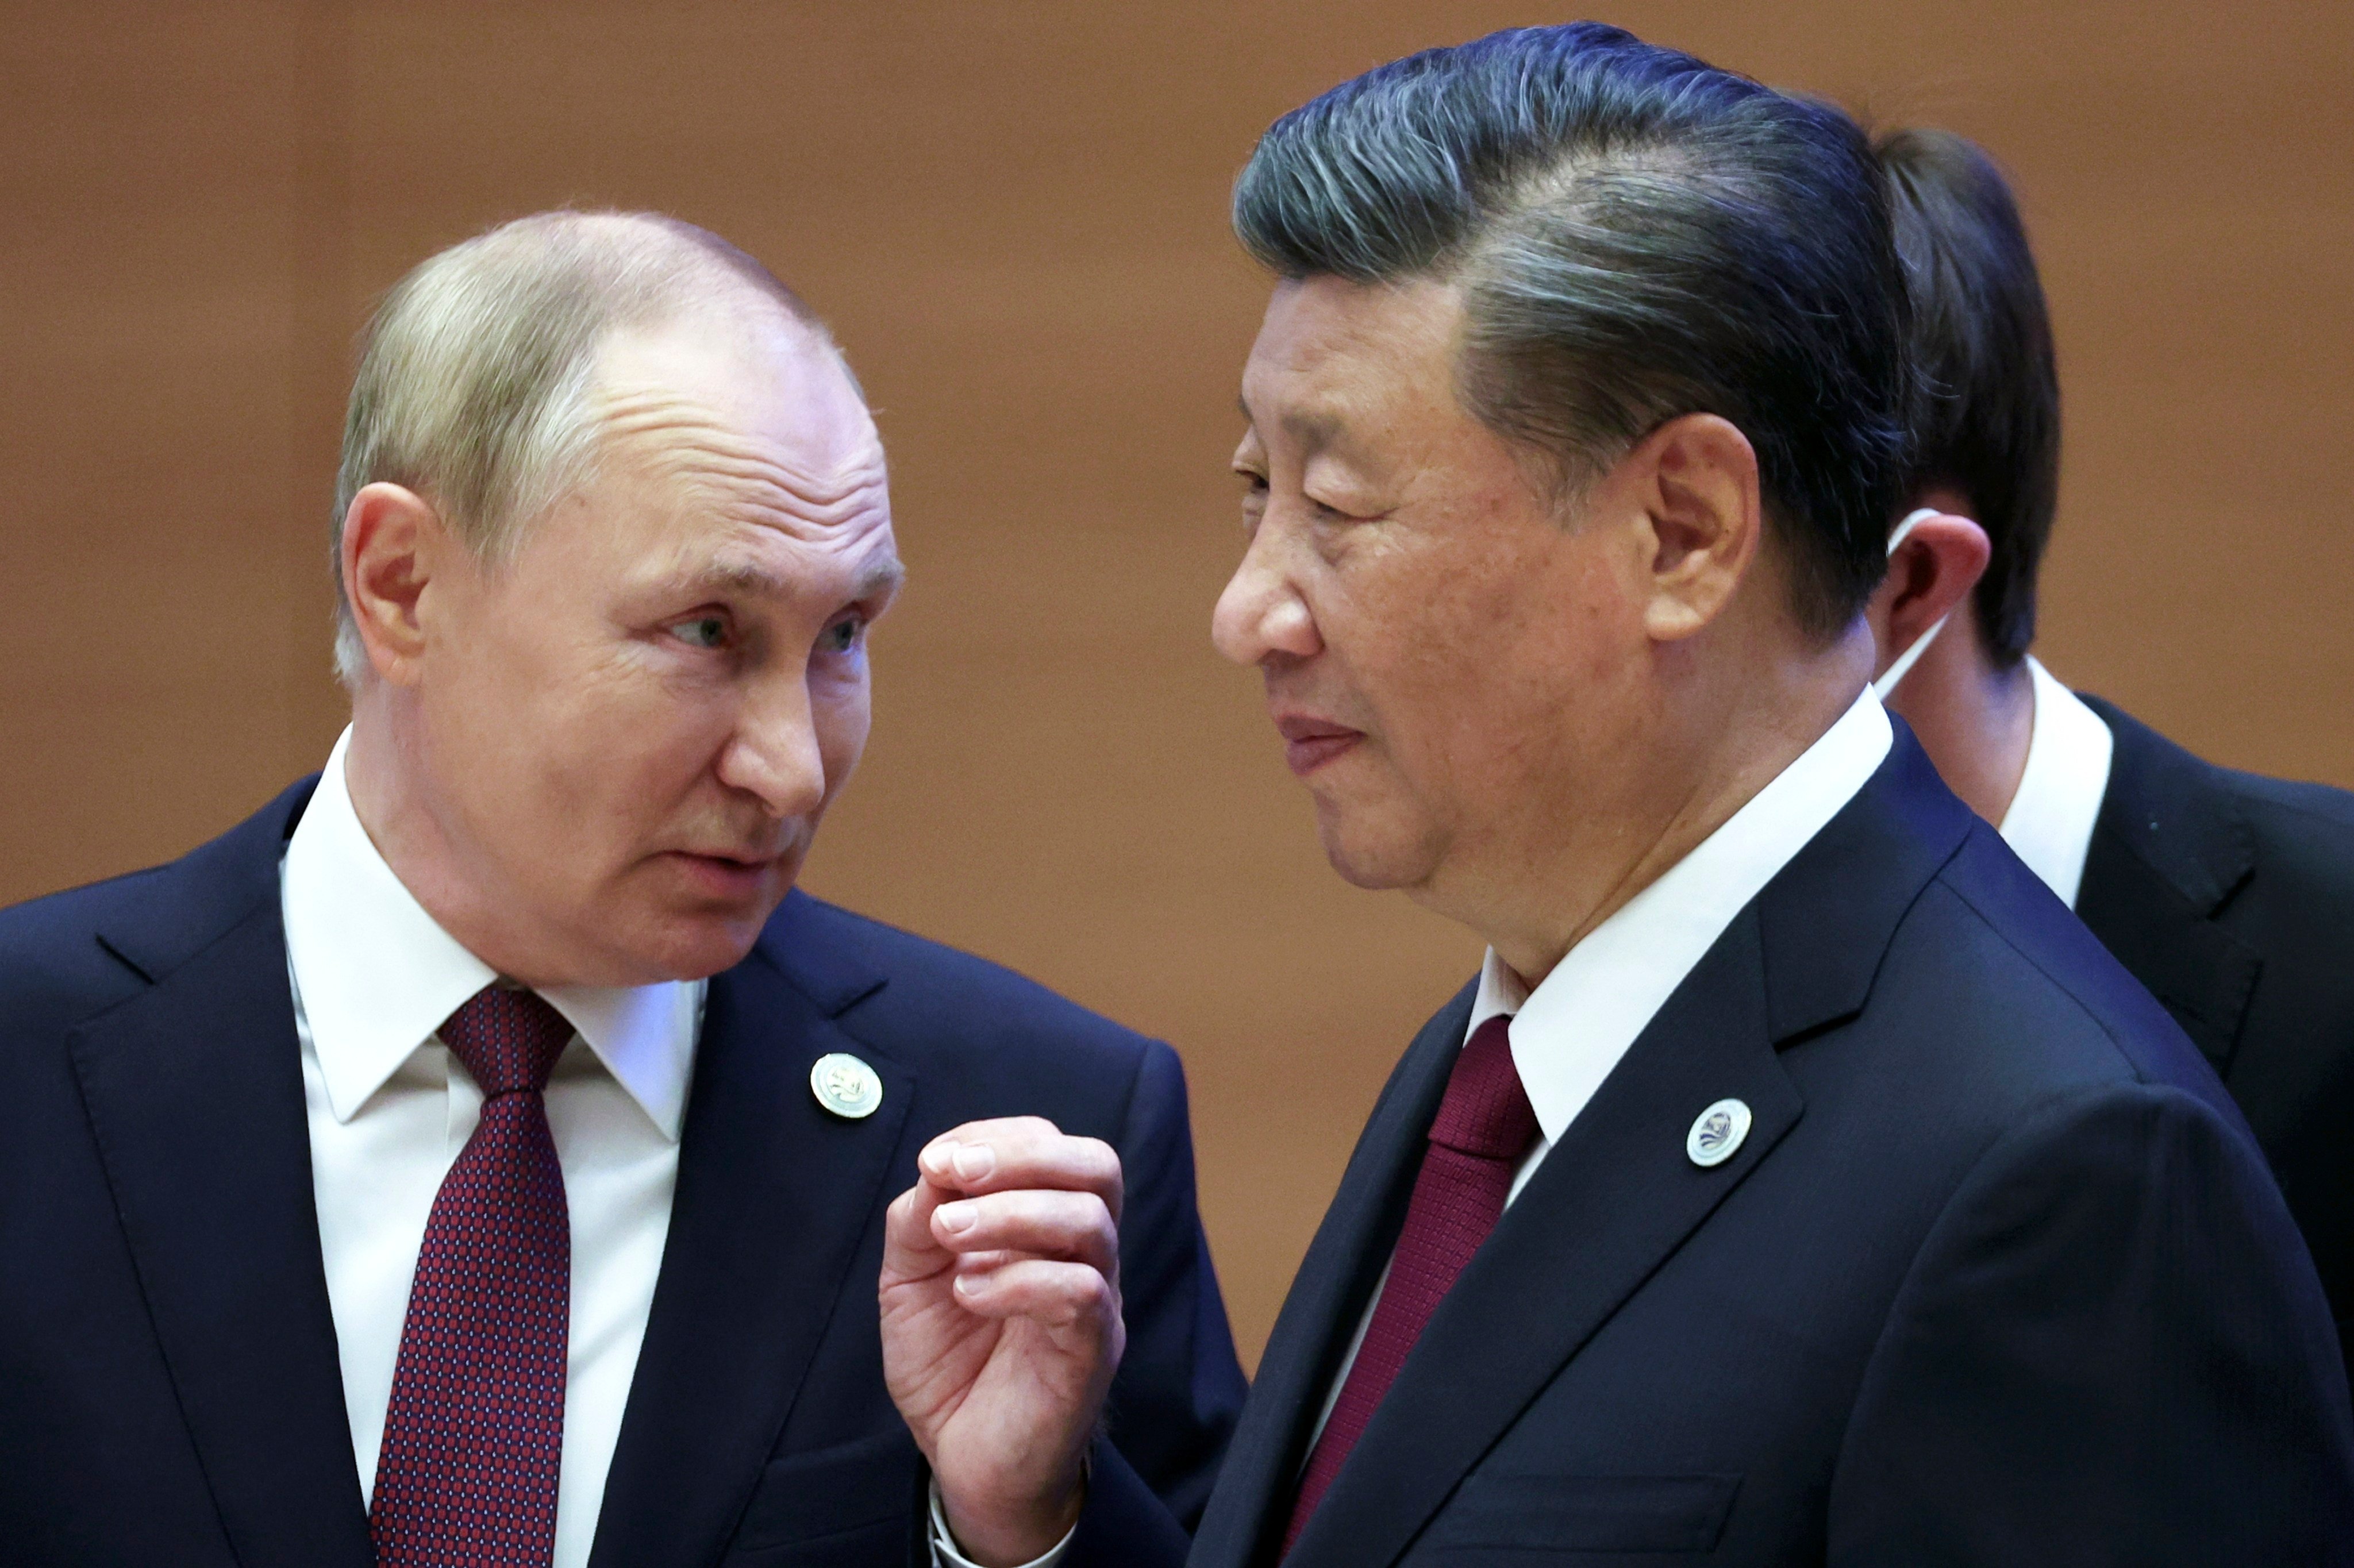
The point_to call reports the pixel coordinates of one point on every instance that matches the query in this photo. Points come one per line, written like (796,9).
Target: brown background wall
(1013,215)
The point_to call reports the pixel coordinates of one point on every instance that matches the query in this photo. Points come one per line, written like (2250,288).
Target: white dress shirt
(2049,823)
(1573,1029)
(391,1107)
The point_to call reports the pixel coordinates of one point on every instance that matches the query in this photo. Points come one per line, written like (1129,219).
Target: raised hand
(1001,1324)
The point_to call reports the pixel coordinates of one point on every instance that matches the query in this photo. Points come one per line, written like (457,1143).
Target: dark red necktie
(475,1430)
(1484,1126)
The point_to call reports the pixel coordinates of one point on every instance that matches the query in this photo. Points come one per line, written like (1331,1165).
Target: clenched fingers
(1017,1152)
(1053,1293)
(1074,1226)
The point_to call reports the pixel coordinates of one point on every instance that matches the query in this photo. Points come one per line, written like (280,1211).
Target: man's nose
(1261,612)
(774,754)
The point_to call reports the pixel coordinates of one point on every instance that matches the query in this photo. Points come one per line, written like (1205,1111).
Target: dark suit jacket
(169,1392)
(1997,1278)
(2231,897)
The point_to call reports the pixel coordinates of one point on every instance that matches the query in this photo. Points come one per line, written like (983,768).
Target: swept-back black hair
(1638,236)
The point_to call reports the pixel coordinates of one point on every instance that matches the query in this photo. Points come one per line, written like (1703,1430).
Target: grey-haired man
(1798,1182)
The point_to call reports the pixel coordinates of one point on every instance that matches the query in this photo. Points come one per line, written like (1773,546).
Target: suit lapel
(194,1090)
(2169,849)
(774,1197)
(1248,1509)
(1612,1200)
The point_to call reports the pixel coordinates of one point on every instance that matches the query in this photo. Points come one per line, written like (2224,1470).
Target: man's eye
(702,631)
(842,636)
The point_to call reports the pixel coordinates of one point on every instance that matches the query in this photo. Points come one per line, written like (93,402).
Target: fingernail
(935,1158)
(956,1216)
(974,1160)
(972,1284)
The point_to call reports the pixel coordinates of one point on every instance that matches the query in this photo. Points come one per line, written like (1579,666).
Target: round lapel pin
(1716,1135)
(846,1085)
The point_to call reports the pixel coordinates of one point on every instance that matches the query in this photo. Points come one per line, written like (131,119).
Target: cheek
(1475,670)
(626,740)
(842,712)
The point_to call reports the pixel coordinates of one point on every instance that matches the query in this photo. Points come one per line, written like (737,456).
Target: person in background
(1797,1182)
(2230,896)
(479,1156)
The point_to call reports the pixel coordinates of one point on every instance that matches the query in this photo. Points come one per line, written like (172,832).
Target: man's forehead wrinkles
(705,447)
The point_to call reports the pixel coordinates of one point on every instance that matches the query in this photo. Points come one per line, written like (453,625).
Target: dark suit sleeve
(2110,1350)
(1180,1387)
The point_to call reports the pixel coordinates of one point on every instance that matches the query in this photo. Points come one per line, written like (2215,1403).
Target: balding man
(480,1155)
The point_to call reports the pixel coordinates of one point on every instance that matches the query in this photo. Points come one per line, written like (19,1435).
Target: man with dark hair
(2229,895)
(1797,1182)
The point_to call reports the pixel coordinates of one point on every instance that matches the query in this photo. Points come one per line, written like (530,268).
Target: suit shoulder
(929,989)
(2307,821)
(2286,814)
(2051,1004)
(79,907)
(53,964)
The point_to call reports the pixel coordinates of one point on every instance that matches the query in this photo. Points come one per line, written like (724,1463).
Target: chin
(704,947)
(1367,857)
(679,944)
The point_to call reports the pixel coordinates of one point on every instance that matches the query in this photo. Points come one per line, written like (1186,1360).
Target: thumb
(910,1250)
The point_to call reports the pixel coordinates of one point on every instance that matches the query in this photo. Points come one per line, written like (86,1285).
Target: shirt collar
(377,975)
(2050,821)
(1571,1031)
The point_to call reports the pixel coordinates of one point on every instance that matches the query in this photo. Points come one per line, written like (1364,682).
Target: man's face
(634,726)
(1451,663)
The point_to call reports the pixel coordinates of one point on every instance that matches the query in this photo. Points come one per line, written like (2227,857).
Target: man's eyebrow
(1314,431)
(884,576)
(755,580)
(738,577)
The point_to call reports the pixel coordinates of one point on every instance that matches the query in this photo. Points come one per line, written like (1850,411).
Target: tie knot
(1486,1112)
(509,1040)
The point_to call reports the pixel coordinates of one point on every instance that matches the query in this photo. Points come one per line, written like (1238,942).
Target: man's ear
(1931,572)
(394,542)
(1696,479)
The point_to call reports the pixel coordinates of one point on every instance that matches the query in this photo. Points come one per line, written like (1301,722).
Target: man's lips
(725,876)
(1308,743)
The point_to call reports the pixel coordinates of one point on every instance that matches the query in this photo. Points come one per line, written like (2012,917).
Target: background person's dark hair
(1986,416)
(1638,236)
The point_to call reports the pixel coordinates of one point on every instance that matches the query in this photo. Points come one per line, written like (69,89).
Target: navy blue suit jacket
(169,1391)
(2231,897)
(1998,1278)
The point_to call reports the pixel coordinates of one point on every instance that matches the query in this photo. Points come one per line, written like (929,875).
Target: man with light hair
(480,1155)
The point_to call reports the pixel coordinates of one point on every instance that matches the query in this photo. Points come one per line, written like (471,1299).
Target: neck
(1706,752)
(1975,721)
(380,768)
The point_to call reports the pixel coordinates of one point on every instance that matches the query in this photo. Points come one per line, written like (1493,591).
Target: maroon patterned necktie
(1484,1126)
(475,1429)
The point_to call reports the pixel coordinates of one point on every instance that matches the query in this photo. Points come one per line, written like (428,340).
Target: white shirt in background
(2049,823)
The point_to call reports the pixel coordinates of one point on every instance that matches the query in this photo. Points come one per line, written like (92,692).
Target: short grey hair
(473,381)
(1638,234)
